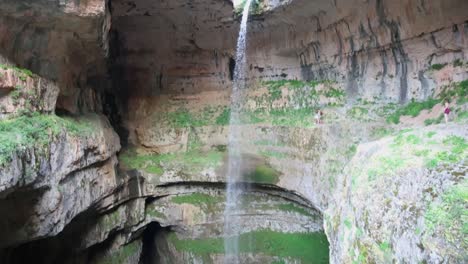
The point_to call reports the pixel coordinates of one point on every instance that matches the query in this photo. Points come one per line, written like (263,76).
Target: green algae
(123,255)
(198,199)
(290,207)
(263,174)
(305,247)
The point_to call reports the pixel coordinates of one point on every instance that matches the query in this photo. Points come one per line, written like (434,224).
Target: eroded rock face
(65,41)
(393,205)
(42,190)
(374,48)
(162,71)
(21,91)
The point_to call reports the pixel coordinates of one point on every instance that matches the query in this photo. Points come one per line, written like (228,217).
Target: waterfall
(234,190)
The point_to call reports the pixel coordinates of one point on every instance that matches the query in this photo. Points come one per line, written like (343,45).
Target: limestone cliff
(114,121)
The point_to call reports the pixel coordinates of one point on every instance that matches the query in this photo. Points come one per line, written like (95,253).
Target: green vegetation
(273,154)
(438,66)
(36,131)
(335,93)
(290,207)
(153,212)
(434,121)
(412,109)
(449,215)
(22,73)
(384,246)
(294,108)
(197,199)
(223,118)
(295,84)
(462,115)
(123,255)
(263,174)
(306,247)
(456,150)
(358,113)
(348,223)
(255,9)
(457,63)
(292,117)
(457,90)
(381,132)
(182,117)
(410,149)
(192,161)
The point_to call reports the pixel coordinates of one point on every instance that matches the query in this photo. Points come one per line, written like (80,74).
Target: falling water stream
(233,189)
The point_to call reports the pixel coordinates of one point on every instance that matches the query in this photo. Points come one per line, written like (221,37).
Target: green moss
(433,121)
(110,220)
(306,247)
(386,165)
(264,174)
(334,93)
(381,132)
(182,118)
(358,113)
(457,63)
(255,9)
(149,163)
(458,144)
(273,154)
(438,66)
(449,215)
(153,212)
(430,134)
(462,116)
(384,246)
(36,131)
(123,255)
(412,109)
(456,90)
(348,223)
(223,118)
(192,161)
(290,207)
(197,199)
(23,73)
(292,117)
(457,149)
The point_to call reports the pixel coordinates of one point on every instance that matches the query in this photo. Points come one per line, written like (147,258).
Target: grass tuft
(35,131)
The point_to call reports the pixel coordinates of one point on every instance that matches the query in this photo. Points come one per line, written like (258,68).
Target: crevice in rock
(150,254)
(51,250)
(114,101)
(232,66)
(253,187)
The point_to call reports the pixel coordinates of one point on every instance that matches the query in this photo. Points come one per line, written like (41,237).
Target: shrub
(458,63)
(412,109)
(438,66)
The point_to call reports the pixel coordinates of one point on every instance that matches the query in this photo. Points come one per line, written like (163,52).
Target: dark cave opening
(232,66)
